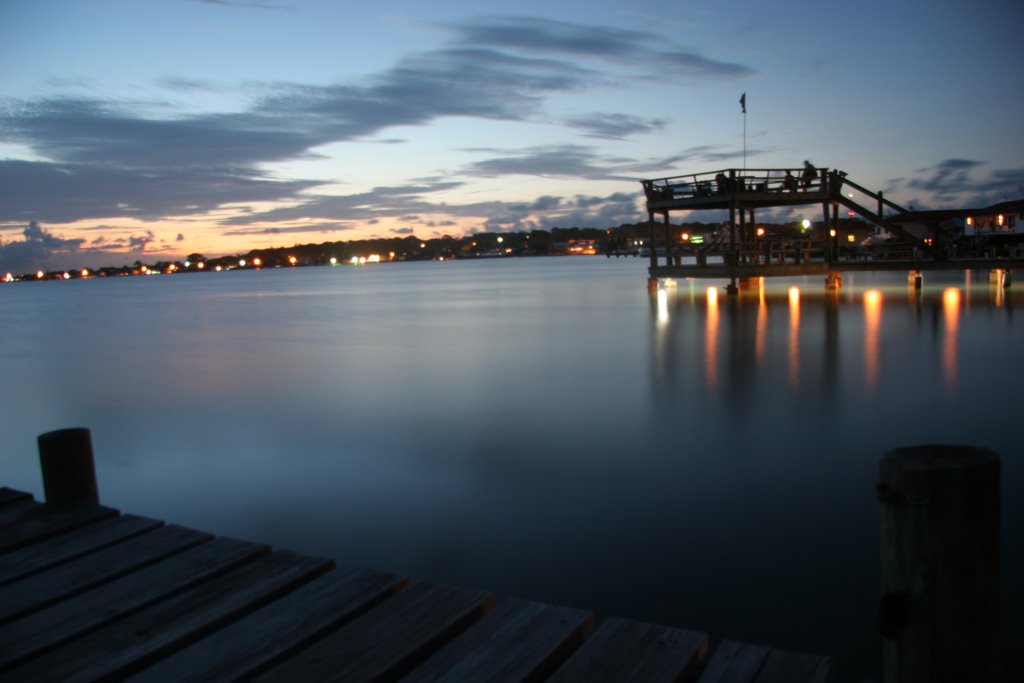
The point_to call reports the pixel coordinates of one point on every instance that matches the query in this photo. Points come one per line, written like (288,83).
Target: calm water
(537,427)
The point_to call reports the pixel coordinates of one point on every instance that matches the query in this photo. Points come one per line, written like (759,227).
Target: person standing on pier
(810,173)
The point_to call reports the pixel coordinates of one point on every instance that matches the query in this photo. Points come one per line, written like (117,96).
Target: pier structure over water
(922,239)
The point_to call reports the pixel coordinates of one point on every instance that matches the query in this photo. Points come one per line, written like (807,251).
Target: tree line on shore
(409,248)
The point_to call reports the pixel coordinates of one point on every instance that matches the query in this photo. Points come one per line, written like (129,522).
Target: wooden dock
(89,594)
(926,241)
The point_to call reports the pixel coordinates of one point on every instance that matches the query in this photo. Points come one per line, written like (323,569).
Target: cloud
(247,4)
(959,183)
(615,126)
(97,158)
(563,161)
(607,44)
(66,192)
(39,249)
(280,230)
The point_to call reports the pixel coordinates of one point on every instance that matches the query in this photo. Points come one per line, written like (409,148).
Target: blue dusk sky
(151,129)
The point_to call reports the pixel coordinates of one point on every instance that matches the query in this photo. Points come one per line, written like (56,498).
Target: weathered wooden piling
(940,510)
(66,460)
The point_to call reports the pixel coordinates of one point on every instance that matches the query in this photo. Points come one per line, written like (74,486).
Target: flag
(743,102)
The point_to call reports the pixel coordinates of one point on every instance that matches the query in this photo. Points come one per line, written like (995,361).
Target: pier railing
(732,181)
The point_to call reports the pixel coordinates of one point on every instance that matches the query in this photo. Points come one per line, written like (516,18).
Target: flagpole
(743,108)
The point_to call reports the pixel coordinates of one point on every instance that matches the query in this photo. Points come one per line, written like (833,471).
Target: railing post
(66,461)
(939,611)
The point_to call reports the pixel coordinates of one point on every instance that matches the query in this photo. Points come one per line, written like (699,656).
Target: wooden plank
(623,650)
(126,646)
(10,512)
(41,522)
(55,625)
(735,663)
(795,667)
(389,640)
(8,495)
(46,588)
(266,637)
(746,663)
(45,555)
(518,641)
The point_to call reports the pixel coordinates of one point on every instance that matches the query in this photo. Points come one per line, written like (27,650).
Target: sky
(151,130)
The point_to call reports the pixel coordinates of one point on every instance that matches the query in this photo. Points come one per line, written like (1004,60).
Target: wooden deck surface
(88,594)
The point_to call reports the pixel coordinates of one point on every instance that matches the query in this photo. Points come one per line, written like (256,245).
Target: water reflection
(794,337)
(872,334)
(711,340)
(951,311)
(811,340)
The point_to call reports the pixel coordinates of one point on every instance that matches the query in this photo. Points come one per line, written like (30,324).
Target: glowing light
(218,269)
(67,276)
(241,263)
(40,275)
(201,265)
(292,260)
(806,224)
(502,239)
(354,260)
(9,277)
(391,256)
(1000,219)
(685,237)
(362,260)
(712,295)
(334,260)
(851,238)
(423,245)
(970,220)
(760,232)
(85,272)
(662,306)
(832,232)
(374,258)
(188,264)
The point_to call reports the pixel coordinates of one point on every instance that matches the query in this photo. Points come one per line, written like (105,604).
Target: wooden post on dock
(69,475)
(940,514)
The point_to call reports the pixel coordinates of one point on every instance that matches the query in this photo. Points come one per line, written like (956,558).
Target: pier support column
(66,461)
(914,279)
(731,288)
(652,285)
(833,281)
(999,277)
(940,518)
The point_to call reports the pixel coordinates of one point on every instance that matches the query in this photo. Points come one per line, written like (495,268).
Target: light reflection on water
(542,427)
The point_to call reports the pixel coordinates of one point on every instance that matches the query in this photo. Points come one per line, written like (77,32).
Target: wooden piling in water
(940,512)
(66,461)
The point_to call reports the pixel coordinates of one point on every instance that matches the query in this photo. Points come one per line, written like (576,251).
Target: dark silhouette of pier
(922,240)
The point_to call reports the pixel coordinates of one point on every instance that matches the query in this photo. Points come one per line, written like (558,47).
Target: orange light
(970,220)
(292,260)
(685,237)
(40,274)
(832,232)
(257,262)
(760,232)
(1000,219)
(85,272)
